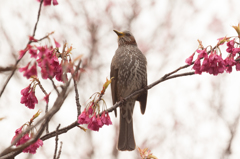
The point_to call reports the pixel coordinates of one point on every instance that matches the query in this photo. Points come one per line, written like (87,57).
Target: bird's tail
(126,136)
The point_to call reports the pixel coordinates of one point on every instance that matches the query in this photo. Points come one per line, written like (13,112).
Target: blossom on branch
(212,62)
(46,98)
(28,97)
(190,59)
(24,138)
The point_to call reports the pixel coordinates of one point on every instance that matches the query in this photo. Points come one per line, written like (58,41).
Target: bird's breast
(131,69)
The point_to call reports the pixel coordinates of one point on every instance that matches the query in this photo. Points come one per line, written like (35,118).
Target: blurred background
(191,117)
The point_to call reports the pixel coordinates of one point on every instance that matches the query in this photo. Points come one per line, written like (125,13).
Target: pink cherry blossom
(109,122)
(93,125)
(55,2)
(32,148)
(238,66)
(197,66)
(230,45)
(33,53)
(229,61)
(99,122)
(32,39)
(21,53)
(31,72)
(90,109)
(103,118)
(235,51)
(25,91)
(205,65)
(23,69)
(29,99)
(17,132)
(202,53)
(48,2)
(46,98)
(83,118)
(56,43)
(190,59)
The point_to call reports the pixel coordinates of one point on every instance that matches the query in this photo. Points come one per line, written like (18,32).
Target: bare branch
(76,90)
(56,142)
(60,150)
(54,86)
(60,131)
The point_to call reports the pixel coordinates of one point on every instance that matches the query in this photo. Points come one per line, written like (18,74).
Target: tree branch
(29,42)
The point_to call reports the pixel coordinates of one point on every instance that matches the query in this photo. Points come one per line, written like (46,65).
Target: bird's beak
(119,33)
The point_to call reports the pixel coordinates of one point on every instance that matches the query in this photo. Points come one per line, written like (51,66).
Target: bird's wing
(114,73)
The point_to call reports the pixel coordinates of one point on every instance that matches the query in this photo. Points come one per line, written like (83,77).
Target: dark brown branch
(38,17)
(164,78)
(60,131)
(74,124)
(76,90)
(60,150)
(56,142)
(9,68)
(77,98)
(47,126)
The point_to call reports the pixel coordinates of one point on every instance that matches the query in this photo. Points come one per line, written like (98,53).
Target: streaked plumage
(128,68)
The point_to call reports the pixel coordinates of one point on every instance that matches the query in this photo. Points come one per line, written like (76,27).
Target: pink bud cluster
(213,63)
(30,149)
(28,97)
(88,116)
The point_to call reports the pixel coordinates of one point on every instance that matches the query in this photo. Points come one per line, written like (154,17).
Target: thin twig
(47,126)
(29,42)
(77,98)
(76,90)
(56,142)
(164,78)
(41,87)
(54,86)
(60,131)
(60,150)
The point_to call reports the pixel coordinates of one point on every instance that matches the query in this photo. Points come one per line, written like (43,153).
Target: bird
(129,74)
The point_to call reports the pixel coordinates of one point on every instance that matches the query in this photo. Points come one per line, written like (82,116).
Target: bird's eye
(127,34)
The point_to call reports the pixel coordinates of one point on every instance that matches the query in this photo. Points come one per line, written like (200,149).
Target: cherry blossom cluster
(212,61)
(45,58)
(91,117)
(33,147)
(90,114)
(28,97)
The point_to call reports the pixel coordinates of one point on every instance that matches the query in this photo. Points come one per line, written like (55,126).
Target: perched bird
(128,68)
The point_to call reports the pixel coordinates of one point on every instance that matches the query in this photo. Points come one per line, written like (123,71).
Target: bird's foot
(122,99)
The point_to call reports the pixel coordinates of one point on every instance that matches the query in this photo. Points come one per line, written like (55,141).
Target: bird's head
(125,38)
